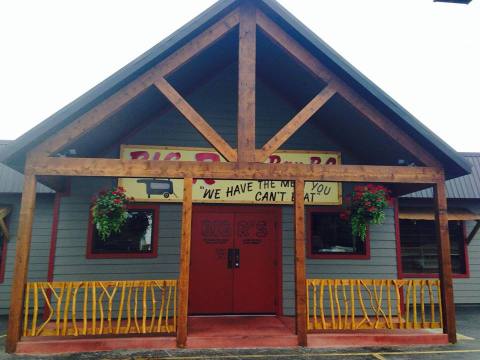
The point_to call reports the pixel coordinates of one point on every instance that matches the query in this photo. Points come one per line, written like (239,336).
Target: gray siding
(39,254)
(172,129)
(467,291)
(273,111)
(382,262)
(71,262)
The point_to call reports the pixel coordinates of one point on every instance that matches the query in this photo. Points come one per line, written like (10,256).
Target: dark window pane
(420,250)
(136,235)
(332,235)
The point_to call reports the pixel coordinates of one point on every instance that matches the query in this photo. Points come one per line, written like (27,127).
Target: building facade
(240,138)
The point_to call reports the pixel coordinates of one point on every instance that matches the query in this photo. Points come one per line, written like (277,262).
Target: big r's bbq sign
(228,191)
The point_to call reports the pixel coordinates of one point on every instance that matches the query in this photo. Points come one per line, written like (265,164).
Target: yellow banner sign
(228,191)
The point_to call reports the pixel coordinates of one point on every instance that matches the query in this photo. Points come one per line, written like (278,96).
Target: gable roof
(453,163)
(11,181)
(464,187)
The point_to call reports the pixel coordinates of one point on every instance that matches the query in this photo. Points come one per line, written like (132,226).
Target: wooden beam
(20,272)
(300,276)
(295,123)
(196,120)
(278,35)
(115,102)
(246,83)
(184,263)
(233,170)
(473,232)
(445,261)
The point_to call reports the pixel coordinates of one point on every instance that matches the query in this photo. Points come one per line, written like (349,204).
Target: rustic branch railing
(100,307)
(373,304)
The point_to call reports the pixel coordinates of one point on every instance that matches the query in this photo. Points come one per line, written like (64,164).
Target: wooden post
(184,263)
(300,282)
(24,239)
(445,261)
(246,83)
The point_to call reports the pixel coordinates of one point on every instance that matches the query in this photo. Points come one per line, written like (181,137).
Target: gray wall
(382,262)
(467,290)
(172,129)
(38,267)
(71,262)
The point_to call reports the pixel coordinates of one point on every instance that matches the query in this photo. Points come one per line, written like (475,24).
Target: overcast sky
(425,55)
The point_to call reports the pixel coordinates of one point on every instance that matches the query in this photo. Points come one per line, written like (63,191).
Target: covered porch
(155,313)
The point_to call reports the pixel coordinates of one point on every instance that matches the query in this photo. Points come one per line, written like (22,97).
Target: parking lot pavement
(468,348)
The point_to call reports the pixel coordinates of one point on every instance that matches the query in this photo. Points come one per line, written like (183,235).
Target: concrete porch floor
(241,332)
(233,332)
(279,331)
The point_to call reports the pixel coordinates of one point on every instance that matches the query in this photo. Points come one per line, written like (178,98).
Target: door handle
(230,258)
(237,258)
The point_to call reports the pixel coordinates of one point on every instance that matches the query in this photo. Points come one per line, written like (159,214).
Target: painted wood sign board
(228,191)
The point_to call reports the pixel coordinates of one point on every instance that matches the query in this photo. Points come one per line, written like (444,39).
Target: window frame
(404,275)
(332,256)
(126,255)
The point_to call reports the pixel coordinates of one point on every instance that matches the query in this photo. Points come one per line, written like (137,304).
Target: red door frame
(276,211)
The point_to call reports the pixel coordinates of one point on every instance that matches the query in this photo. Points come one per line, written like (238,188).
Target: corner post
(445,261)
(300,281)
(184,263)
(246,83)
(20,272)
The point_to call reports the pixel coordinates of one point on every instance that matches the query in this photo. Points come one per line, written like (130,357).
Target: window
(138,237)
(330,237)
(419,250)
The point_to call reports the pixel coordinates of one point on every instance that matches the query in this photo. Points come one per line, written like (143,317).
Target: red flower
(344,215)
(121,189)
(117,201)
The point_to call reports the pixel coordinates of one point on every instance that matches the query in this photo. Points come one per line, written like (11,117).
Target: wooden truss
(245,162)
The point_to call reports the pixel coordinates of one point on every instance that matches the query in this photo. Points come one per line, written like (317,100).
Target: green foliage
(109,211)
(368,207)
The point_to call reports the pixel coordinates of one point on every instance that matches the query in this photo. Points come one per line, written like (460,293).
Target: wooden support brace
(246,83)
(297,51)
(473,232)
(445,261)
(115,102)
(295,123)
(300,276)
(196,120)
(20,272)
(184,263)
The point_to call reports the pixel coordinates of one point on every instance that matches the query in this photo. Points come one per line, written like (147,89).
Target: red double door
(233,268)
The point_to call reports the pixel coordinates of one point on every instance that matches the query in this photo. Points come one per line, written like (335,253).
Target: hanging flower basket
(109,211)
(368,204)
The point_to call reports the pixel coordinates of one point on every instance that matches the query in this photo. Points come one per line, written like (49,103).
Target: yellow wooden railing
(373,304)
(100,307)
